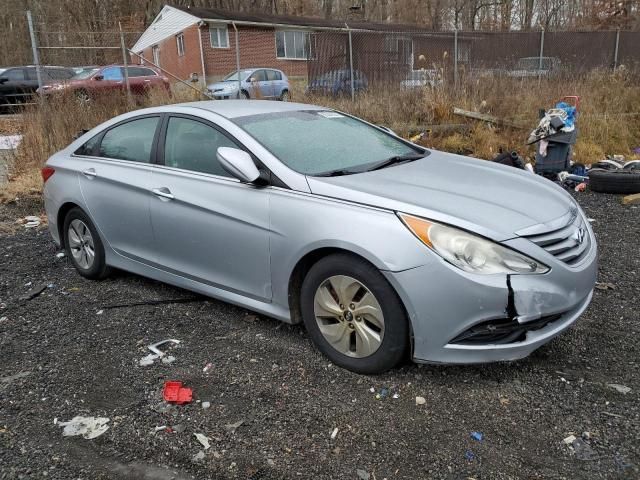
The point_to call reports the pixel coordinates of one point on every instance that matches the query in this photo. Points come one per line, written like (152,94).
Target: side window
(15,74)
(259,76)
(130,141)
(58,73)
(192,145)
(112,73)
(147,72)
(273,75)
(89,147)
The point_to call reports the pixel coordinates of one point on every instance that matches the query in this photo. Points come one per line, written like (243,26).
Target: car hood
(221,85)
(487,198)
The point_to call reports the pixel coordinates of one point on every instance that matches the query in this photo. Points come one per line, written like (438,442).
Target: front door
(115,176)
(208,227)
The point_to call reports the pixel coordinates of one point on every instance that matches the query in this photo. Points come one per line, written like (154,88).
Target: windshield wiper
(397,159)
(335,173)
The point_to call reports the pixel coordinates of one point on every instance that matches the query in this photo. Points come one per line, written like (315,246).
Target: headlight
(470,252)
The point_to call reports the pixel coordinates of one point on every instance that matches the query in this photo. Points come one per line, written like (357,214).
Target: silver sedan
(384,249)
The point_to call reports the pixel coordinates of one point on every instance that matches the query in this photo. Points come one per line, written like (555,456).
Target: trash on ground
(34,292)
(511,159)
(232,427)
(207,367)
(334,434)
(581,187)
(88,427)
(631,199)
(203,439)
(99,312)
(206,405)
(159,429)
(157,353)
(198,457)
(420,401)
(469,455)
(31,221)
(60,255)
(395,396)
(478,436)
(10,142)
(583,450)
(619,388)
(363,474)
(605,286)
(569,440)
(174,392)
(168,359)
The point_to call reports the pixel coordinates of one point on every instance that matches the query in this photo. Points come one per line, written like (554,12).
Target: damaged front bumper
(457,317)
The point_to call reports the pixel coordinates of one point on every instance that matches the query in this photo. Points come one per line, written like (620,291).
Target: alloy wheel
(349,316)
(81,244)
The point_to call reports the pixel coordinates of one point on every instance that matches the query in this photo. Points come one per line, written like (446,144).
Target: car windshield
(234,76)
(84,74)
(316,142)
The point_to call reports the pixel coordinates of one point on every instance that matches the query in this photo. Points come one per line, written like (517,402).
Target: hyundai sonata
(384,249)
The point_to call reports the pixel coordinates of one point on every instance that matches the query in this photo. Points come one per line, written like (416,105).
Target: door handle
(147,81)
(89,172)
(163,192)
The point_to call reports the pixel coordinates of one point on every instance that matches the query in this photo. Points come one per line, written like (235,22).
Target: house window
(219,36)
(156,54)
(293,45)
(180,43)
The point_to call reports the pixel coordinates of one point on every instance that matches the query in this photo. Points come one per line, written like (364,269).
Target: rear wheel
(83,245)
(285,96)
(244,95)
(353,315)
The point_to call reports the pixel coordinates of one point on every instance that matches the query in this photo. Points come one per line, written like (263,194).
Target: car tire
(245,95)
(81,238)
(364,286)
(285,96)
(615,181)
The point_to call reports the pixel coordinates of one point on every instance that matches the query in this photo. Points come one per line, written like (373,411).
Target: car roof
(243,108)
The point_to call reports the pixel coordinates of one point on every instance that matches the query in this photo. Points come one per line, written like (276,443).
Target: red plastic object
(574,98)
(174,392)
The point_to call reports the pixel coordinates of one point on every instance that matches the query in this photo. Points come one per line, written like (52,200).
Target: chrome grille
(569,244)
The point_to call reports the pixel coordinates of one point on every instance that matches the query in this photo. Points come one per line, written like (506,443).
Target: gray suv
(18,84)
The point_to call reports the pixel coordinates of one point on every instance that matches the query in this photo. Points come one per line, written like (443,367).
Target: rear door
(115,182)
(274,78)
(208,227)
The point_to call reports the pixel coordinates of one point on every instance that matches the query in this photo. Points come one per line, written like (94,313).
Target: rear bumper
(450,310)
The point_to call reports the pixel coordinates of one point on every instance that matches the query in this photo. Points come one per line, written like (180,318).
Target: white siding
(169,21)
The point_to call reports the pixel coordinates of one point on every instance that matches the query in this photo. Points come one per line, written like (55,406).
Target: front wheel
(285,96)
(353,315)
(83,245)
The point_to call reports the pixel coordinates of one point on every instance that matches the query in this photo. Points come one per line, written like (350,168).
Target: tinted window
(89,147)
(259,76)
(112,73)
(273,75)
(59,73)
(140,72)
(193,145)
(130,141)
(324,140)
(14,74)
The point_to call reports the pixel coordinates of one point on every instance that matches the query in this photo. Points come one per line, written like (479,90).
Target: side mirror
(99,77)
(251,80)
(3,80)
(238,163)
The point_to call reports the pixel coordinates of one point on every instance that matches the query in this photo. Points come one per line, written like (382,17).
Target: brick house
(202,41)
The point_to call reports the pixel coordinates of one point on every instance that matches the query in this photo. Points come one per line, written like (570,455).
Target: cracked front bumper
(443,302)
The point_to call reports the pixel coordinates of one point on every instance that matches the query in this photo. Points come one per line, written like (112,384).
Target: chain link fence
(352,60)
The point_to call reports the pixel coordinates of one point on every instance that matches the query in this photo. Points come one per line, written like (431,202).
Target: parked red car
(103,80)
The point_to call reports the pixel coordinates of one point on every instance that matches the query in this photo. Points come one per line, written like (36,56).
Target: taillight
(46,173)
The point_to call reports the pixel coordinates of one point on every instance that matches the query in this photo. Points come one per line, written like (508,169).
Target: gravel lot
(64,353)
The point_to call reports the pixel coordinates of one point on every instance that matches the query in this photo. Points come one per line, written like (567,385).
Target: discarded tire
(616,181)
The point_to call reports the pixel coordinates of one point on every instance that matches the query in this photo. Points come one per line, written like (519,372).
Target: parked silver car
(266,83)
(382,248)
